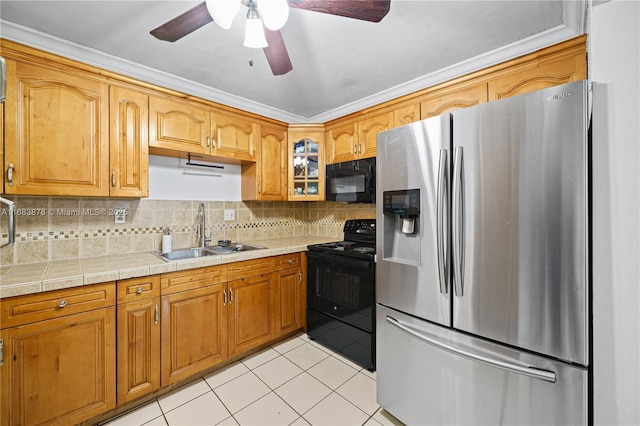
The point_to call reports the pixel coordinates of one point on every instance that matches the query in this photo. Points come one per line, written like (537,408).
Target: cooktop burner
(359,240)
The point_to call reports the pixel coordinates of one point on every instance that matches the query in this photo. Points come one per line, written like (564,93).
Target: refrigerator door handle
(458,221)
(536,373)
(441,217)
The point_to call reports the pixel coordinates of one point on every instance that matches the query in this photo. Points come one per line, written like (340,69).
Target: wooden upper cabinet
(266,179)
(234,136)
(529,76)
(368,130)
(129,147)
(56,132)
(306,167)
(406,114)
(341,143)
(452,98)
(179,125)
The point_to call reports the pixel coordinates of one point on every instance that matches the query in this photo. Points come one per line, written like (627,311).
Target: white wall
(171,179)
(614,54)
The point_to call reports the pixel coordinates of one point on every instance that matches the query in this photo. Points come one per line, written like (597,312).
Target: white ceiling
(340,65)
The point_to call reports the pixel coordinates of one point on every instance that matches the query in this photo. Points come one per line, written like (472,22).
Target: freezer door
(519,221)
(428,374)
(413,268)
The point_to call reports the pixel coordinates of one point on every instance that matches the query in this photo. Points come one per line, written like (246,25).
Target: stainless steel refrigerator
(483,310)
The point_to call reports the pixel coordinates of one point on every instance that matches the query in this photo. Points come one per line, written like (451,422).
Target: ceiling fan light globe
(254,34)
(223,12)
(274,13)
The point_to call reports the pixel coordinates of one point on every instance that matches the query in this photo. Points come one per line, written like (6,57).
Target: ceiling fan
(271,41)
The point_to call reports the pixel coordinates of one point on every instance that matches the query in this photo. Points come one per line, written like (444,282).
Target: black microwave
(351,181)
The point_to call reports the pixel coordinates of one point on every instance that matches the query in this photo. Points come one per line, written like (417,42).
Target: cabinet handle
(113,179)
(224,302)
(62,303)
(139,290)
(300,276)
(1,353)
(230,296)
(157,314)
(259,188)
(208,141)
(10,174)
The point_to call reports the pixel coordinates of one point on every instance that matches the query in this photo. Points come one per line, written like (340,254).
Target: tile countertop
(31,278)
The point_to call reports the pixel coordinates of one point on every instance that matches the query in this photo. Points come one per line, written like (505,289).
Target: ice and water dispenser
(401,210)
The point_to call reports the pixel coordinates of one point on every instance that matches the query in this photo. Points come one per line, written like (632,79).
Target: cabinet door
(251,314)
(306,167)
(234,137)
(59,371)
(533,76)
(194,332)
(138,348)
(129,154)
(406,115)
(341,143)
(179,126)
(368,130)
(272,164)
(288,312)
(57,132)
(451,98)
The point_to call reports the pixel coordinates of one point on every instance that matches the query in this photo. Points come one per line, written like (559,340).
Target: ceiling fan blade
(365,10)
(184,24)
(276,53)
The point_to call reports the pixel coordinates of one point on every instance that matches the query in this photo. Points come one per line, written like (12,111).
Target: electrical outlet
(229,215)
(120,215)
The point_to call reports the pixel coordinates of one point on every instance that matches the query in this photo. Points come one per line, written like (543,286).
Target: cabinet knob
(290,261)
(62,303)
(139,290)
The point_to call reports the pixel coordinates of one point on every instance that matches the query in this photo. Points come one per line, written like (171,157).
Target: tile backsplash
(57,228)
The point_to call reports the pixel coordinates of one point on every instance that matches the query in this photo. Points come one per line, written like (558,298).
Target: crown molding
(74,51)
(575,24)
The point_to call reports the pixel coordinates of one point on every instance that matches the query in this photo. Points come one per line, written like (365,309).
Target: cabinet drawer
(194,278)
(288,261)
(138,288)
(251,268)
(53,304)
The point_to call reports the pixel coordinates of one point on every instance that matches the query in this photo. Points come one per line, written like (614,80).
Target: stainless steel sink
(234,248)
(190,253)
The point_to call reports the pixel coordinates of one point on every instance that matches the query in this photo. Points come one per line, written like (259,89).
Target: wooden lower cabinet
(289,283)
(194,332)
(59,371)
(251,313)
(138,348)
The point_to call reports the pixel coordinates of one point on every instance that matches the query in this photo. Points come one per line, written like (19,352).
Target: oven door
(351,181)
(342,287)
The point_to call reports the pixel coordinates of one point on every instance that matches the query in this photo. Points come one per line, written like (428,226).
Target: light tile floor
(295,382)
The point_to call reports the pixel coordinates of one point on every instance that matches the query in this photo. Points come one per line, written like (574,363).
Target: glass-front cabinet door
(306,163)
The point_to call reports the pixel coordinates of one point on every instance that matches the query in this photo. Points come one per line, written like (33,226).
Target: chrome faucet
(202,227)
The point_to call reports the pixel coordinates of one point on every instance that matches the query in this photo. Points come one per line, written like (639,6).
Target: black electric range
(341,293)
(359,241)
